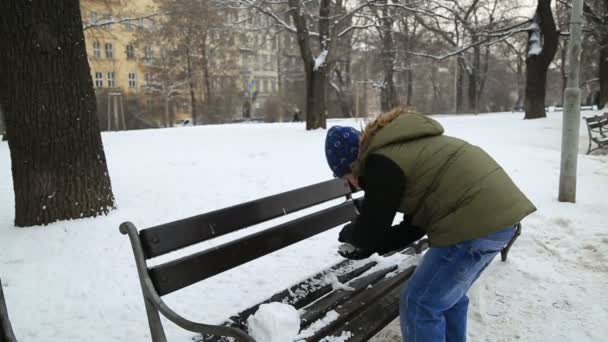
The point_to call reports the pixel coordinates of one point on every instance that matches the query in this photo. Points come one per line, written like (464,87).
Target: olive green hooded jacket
(454,191)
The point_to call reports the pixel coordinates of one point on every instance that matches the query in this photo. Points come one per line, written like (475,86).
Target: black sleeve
(384,184)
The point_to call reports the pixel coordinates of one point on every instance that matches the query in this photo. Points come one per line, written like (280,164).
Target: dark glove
(347,233)
(349,251)
(399,237)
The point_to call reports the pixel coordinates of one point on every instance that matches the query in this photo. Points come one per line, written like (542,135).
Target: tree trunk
(166,112)
(191,86)
(483,76)
(474,78)
(2,124)
(410,86)
(316,109)
(316,75)
(538,63)
(460,86)
(58,162)
(388,96)
(205,62)
(435,88)
(520,80)
(342,98)
(603,69)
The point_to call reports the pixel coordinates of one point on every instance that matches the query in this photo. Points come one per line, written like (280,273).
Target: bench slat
(172,236)
(306,292)
(329,302)
(188,270)
(299,295)
(373,319)
(357,304)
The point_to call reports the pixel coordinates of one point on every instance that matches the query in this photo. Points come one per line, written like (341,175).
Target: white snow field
(76,280)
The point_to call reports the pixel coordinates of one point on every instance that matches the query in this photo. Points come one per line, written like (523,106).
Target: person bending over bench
(450,190)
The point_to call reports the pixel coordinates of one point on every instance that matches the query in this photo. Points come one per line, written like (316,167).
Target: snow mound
(274,322)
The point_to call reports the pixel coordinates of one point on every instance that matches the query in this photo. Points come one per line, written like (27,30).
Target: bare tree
(318,26)
(517,64)
(596,14)
(407,35)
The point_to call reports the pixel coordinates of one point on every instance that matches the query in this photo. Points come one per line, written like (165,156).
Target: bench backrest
(187,270)
(597,122)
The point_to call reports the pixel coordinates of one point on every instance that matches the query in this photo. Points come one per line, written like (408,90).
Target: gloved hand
(399,237)
(349,251)
(347,233)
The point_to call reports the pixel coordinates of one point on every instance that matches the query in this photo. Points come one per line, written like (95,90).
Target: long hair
(377,124)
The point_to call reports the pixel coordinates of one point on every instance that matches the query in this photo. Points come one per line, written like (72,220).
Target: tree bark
(388,95)
(538,64)
(58,162)
(603,70)
(316,109)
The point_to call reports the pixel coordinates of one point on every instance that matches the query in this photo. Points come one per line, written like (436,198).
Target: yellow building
(119,64)
(115,60)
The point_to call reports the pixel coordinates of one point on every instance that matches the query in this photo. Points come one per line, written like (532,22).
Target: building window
(147,78)
(93,17)
(111,80)
(152,24)
(96,49)
(148,53)
(132,80)
(109,50)
(107,17)
(130,51)
(140,23)
(274,86)
(98,79)
(128,25)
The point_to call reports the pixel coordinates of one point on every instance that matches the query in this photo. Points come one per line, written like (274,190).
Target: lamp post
(572,109)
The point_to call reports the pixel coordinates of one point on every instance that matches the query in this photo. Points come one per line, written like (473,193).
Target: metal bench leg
(505,251)
(6,330)
(156,327)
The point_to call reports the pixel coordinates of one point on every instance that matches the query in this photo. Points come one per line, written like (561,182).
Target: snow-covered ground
(76,281)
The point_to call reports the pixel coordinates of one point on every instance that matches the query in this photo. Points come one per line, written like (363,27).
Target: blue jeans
(434,302)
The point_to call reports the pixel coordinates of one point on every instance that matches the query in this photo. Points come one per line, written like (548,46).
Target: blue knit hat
(341,149)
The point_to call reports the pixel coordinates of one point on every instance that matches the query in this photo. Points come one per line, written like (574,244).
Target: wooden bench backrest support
(185,271)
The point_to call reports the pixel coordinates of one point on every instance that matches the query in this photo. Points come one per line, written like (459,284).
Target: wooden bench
(597,127)
(369,305)
(6,330)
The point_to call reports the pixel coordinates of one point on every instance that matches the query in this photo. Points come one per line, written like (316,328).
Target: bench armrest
(152,296)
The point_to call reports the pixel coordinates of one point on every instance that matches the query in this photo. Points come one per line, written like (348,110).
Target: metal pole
(572,109)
